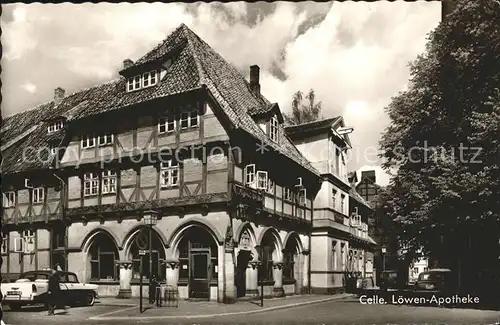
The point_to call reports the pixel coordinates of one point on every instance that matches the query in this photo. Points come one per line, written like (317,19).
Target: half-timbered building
(181,136)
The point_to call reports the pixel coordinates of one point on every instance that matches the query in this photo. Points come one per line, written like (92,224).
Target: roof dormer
(55,124)
(145,76)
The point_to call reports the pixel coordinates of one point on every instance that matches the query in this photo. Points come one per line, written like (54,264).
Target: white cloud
(29,87)
(354,57)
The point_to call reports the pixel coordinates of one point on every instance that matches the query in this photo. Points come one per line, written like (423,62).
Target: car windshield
(431,276)
(34,276)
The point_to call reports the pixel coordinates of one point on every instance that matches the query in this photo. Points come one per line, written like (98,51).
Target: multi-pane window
(189,119)
(5,243)
(88,142)
(342,256)
(334,198)
(90,184)
(103,257)
(342,203)
(56,126)
(302,197)
(9,199)
(273,129)
(288,265)
(169,173)
(261,180)
(334,255)
(105,139)
(134,83)
(108,182)
(145,80)
(53,149)
(167,124)
(270,186)
(149,79)
(250,175)
(38,195)
(287,194)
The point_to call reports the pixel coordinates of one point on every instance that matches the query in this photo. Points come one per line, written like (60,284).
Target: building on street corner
(183,138)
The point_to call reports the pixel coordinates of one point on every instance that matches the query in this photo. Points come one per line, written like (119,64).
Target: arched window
(157,257)
(289,253)
(103,256)
(197,239)
(267,247)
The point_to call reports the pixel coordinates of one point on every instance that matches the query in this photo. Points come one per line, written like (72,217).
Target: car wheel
(90,299)
(15,307)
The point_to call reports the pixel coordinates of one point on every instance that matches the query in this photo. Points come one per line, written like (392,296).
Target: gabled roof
(195,66)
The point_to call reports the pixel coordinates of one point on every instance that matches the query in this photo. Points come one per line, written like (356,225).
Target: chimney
(370,174)
(58,95)
(254,79)
(127,63)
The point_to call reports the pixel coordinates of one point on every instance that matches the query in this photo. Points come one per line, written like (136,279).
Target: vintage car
(439,280)
(31,289)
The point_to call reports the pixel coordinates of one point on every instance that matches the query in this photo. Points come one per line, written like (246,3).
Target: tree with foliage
(304,113)
(443,140)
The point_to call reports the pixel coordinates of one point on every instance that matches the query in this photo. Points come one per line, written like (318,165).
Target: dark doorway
(200,275)
(243,258)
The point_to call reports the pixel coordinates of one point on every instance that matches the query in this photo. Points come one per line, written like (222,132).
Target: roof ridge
(66,96)
(315,121)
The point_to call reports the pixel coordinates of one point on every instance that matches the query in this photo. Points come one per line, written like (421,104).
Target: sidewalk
(204,309)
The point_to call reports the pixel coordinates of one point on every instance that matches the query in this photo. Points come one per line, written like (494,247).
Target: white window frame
(249,175)
(109,177)
(38,195)
(270,186)
(9,199)
(53,149)
(105,139)
(261,180)
(167,124)
(55,126)
(334,198)
(302,197)
(342,203)
(169,173)
(5,243)
(92,179)
(134,83)
(88,142)
(274,129)
(189,118)
(149,79)
(287,194)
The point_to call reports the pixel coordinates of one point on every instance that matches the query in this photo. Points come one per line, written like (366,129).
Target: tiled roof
(355,195)
(196,65)
(312,126)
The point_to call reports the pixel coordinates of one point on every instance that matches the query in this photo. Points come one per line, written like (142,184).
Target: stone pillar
(252,285)
(305,272)
(125,279)
(229,286)
(278,279)
(172,273)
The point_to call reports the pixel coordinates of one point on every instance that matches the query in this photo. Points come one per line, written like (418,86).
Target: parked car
(435,280)
(31,289)
(388,280)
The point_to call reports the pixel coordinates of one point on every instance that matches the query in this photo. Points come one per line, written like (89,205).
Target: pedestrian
(152,289)
(54,293)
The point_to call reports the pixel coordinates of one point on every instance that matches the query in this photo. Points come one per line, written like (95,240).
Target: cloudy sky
(353,54)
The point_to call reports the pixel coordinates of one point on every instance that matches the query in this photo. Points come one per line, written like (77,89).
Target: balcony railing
(247,195)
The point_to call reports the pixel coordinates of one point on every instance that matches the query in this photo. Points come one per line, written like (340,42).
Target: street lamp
(150,220)
(384,250)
